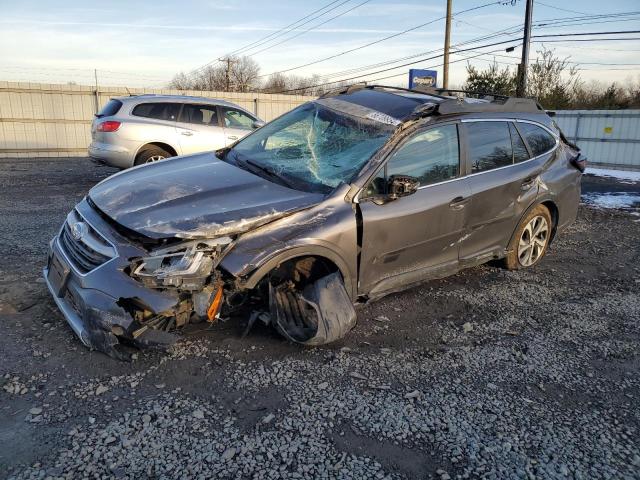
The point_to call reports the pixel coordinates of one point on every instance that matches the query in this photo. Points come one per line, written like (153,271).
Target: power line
(377,41)
(619,32)
(507,31)
(463,50)
(311,28)
(282,31)
(561,9)
(497,34)
(292,25)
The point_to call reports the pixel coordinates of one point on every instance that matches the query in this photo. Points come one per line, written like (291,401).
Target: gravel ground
(489,373)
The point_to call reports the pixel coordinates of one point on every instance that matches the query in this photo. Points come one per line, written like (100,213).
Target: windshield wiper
(269,172)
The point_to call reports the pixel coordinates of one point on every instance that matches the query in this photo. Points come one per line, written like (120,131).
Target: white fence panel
(48,120)
(609,138)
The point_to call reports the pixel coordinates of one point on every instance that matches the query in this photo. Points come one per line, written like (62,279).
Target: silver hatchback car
(139,129)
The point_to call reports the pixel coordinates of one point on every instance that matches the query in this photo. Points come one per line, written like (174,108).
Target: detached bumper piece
(320,314)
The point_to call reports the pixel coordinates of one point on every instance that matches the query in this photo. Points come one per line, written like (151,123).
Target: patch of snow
(618,174)
(612,200)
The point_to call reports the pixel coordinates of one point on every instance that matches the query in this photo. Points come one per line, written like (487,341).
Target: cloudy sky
(137,43)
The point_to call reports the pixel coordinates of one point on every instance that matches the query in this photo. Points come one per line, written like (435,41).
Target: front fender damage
(321,313)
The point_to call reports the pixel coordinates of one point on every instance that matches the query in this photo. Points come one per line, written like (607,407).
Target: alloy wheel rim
(154,158)
(533,241)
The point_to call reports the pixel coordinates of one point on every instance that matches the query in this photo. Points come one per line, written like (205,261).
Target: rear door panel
(499,197)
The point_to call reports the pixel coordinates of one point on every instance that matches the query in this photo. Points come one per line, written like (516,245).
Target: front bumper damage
(109,309)
(97,304)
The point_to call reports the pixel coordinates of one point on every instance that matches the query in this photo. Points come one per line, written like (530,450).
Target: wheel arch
(163,145)
(326,254)
(551,205)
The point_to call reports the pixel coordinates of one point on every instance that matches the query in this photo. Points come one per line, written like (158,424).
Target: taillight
(108,126)
(580,162)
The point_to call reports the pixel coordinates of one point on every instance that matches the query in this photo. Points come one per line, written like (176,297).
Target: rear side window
(431,156)
(159,111)
(520,153)
(111,108)
(489,145)
(540,141)
(199,114)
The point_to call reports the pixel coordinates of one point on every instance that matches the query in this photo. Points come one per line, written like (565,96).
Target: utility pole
(521,89)
(228,73)
(95,75)
(447,41)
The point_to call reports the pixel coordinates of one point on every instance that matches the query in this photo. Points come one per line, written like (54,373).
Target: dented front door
(415,237)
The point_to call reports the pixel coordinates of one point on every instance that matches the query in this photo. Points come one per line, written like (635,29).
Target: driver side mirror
(257,124)
(401,186)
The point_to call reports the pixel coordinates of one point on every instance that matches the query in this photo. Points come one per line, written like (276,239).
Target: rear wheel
(531,240)
(150,154)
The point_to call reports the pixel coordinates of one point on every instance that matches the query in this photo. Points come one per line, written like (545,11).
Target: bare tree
(551,80)
(180,81)
(276,83)
(242,76)
(244,73)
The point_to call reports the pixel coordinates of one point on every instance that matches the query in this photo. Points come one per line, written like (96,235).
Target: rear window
(111,108)
(159,111)
(540,141)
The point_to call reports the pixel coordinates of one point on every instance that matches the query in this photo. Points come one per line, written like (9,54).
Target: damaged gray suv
(363,192)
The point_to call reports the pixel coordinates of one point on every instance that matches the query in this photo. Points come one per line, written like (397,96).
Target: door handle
(186,133)
(527,183)
(458,203)
(232,137)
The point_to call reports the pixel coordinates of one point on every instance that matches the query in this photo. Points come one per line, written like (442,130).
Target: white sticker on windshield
(383,118)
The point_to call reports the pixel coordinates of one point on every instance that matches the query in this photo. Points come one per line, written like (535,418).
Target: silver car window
(157,110)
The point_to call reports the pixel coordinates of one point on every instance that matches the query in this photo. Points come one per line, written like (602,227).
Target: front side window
(236,119)
(199,114)
(158,111)
(489,145)
(313,147)
(540,141)
(431,156)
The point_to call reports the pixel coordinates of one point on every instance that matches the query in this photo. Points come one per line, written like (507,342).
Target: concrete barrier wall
(49,120)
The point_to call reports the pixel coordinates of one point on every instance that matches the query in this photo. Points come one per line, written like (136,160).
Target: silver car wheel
(533,241)
(154,158)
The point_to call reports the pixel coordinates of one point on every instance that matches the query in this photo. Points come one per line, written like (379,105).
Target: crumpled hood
(198,196)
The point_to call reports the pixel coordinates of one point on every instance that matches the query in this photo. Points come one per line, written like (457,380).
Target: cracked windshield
(313,147)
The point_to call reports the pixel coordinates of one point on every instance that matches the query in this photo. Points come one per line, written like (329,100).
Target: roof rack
(451,92)
(363,86)
(489,102)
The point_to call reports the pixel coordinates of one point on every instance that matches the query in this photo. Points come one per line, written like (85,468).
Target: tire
(531,239)
(151,153)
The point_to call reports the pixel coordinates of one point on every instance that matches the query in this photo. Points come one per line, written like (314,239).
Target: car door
(504,182)
(199,128)
(414,237)
(236,123)
(154,122)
